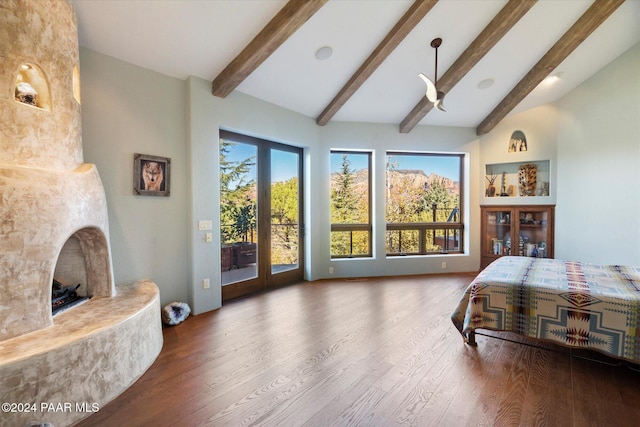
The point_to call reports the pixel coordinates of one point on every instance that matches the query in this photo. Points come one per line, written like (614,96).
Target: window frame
(423,228)
(354,227)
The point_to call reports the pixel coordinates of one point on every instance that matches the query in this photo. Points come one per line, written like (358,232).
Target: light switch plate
(205,225)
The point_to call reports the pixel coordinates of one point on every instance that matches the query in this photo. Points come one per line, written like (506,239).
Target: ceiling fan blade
(432,92)
(439,102)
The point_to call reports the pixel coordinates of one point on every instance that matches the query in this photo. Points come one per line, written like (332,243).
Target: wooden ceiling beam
(286,22)
(595,15)
(403,27)
(508,16)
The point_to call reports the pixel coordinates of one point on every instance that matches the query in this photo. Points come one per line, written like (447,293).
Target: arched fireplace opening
(81,271)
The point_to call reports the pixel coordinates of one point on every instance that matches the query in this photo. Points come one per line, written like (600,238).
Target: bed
(574,304)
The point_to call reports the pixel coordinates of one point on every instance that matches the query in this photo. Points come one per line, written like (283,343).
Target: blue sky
(448,167)
(239,152)
(285,165)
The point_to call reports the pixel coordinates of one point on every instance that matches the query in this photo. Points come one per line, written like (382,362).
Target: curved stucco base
(90,355)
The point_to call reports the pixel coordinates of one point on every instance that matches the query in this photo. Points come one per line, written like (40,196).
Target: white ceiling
(200,37)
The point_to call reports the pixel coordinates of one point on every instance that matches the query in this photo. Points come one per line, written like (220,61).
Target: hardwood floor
(375,352)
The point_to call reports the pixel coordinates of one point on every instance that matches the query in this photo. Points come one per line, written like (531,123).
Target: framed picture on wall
(151,175)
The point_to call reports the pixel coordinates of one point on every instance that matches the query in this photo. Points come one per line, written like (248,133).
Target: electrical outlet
(330,270)
(206,284)
(444,265)
(208,237)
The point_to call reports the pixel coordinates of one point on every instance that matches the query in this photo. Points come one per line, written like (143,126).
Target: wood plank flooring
(371,352)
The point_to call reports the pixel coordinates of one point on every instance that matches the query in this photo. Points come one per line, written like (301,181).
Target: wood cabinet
(518,230)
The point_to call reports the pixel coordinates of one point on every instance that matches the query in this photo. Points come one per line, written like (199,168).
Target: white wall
(244,114)
(593,146)
(127,110)
(592,137)
(380,138)
(598,211)
(540,126)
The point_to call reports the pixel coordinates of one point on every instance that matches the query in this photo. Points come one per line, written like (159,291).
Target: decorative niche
(31,87)
(517,180)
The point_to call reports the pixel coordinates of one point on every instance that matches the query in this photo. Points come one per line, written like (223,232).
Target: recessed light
(323,53)
(486,83)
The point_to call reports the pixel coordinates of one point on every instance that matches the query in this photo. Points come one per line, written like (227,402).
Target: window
(350,204)
(423,203)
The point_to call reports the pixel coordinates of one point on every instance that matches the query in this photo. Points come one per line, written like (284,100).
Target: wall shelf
(506,184)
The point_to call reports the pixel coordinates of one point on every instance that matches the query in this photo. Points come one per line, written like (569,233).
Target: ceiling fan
(433,94)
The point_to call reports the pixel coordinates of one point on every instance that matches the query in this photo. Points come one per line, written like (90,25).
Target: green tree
(436,196)
(408,202)
(437,204)
(284,222)
(284,201)
(344,199)
(349,206)
(403,198)
(237,195)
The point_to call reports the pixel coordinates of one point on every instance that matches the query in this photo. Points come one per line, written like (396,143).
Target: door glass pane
(284,211)
(238,209)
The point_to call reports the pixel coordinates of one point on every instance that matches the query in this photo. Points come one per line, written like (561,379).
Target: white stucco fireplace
(52,205)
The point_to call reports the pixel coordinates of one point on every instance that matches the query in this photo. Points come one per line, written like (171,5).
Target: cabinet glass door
(533,225)
(498,229)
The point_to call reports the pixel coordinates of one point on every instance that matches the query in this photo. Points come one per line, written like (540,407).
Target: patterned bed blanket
(570,303)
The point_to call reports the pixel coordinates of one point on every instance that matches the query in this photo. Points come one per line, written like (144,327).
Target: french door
(261,228)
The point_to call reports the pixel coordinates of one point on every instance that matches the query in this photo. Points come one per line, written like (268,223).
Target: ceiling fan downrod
(433,94)
(435,43)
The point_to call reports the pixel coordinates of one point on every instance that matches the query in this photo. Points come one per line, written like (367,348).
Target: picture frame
(151,175)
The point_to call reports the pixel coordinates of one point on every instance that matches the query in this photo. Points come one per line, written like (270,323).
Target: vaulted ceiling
(496,57)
